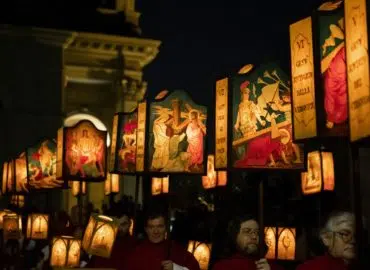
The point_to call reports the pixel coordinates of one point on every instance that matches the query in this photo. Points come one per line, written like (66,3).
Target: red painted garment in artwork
(130,127)
(195,148)
(148,255)
(325,262)
(258,151)
(238,262)
(120,252)
(335,85)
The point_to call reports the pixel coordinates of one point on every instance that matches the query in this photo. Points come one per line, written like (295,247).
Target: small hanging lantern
(213,178)
(286,243)
(17,200)
(201,252)
(270,240)
(160,185)
(12,226)
(320,173)
(81,152)
(76,188)
(100,235)
(65,252)
(2,214)
(37,226)
(112,184)
(8,184)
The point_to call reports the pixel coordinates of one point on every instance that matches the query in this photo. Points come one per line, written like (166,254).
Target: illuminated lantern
(320,173)
(37,226)
(2,214)
(270,240)
(76,188)
(111,184)
(17,200)
(100,235)
(15,176)
(132,226)
(65,252)
(201,252)
(213,178)
(160,185)
(81,152)
(286,243)
(12,226)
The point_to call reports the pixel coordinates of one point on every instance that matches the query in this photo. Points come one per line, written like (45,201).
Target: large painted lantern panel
(262,121)
(123,149)
(12,226)
(177,135)
(82,153)
(42,165)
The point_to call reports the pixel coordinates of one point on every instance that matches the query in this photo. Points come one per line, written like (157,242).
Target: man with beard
(158,253)
(243,247)
(123,245)
(338,236)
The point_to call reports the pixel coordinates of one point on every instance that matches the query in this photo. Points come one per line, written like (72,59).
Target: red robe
(325,262)
(238,262)
(120,252)
(150,256)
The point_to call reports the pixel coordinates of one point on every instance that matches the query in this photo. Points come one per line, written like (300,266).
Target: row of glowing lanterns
(101,232)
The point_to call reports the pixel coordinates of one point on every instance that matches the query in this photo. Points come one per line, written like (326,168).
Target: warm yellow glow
(100,235)
(5,177)
(112,184)
(37,226)
(222,178)
(17,200)
(160,185)
(76,188)
(12,226)
(213,178)
(65,252)
(21,179)
(320,173)
(245,69)
(201,252)
(330,5)
(72,120)
(132,225)
(286,243)
(270,239)
(2,214)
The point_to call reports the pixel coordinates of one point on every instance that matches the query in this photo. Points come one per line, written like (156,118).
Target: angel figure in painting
(195,133)
(335,76)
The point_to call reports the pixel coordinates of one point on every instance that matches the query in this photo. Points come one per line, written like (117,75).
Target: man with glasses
(338,236)
(243,247)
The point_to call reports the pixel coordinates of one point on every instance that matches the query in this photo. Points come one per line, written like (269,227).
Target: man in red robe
(243,236)
(157,253)
(122,247)
(338,237)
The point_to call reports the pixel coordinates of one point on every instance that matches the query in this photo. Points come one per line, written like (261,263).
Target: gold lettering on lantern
(114,143)
(140,143)
(303,84)
(221,123)
(357,68)
(60,143)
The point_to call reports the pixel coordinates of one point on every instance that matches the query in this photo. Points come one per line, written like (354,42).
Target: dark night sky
(209,39)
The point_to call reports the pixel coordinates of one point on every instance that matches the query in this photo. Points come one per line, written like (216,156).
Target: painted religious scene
(333,97)
(124,147)
(85,152)
(177,135)
(262,121)
(41,161)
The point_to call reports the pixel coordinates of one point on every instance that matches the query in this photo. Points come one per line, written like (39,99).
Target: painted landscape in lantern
(177,132)
(262,121)
(126,139)
(41,160)
(85,151)
(334,121)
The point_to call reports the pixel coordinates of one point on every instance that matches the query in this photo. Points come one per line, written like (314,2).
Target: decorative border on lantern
(34,190)
(160,97)
(61,157)
(230,127)
(113,153)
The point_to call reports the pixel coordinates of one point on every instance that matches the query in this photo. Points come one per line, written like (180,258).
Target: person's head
(338,235)
(244,90)
(155,226)
(194,116)
(124,224)
(243,233)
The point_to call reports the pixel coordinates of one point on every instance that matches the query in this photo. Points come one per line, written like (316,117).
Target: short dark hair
(153,214)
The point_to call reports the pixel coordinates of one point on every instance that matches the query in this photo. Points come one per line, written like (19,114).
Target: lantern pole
(261,233)
(137,188)
(80,203)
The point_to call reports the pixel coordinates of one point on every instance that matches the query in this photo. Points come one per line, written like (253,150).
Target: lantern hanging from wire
(3,213)
(65,252)
(160,185)
(17,200)
(76,186)
(12,226)
(112,184)
(213,178)
(100,235)
(37,226)
(320,173)
(15,176)
(201,252)
(82,152)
